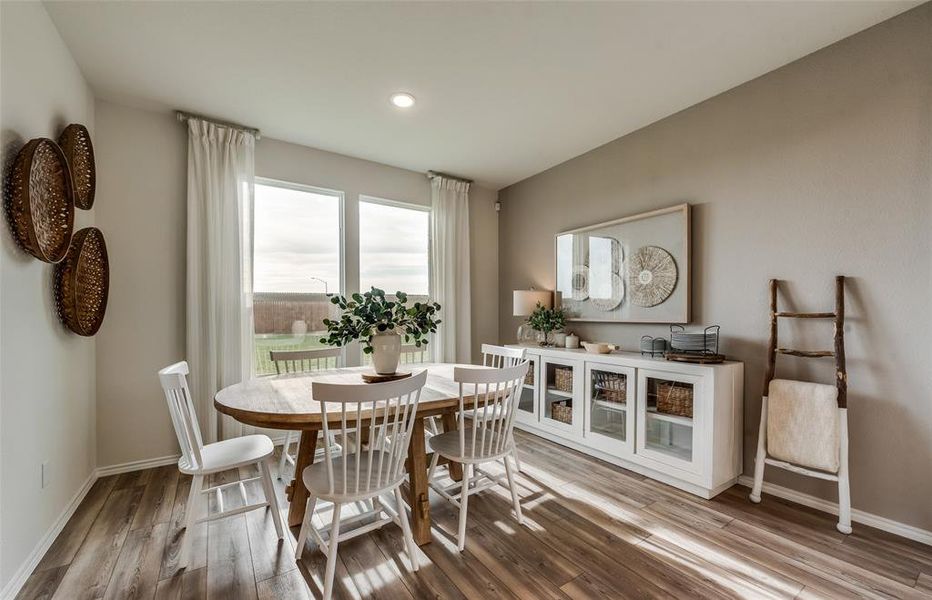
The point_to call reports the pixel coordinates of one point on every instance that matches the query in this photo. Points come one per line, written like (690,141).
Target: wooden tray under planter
(673,399)
(41,200)
(376,378)
(82,283)
(75,142)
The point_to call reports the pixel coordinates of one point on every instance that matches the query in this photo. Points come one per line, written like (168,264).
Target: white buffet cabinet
(621,408)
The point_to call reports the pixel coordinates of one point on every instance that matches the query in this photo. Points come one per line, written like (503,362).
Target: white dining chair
(303,361)
(362,472)
(500,357)
(413,355)
(200,460)
(487,439)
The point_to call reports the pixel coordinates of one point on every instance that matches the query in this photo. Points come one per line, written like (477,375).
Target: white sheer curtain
(219,282)
(449,275)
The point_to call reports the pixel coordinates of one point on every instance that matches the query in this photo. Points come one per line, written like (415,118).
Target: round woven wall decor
(75,142)
(82,282)
(651,276)
(41,200)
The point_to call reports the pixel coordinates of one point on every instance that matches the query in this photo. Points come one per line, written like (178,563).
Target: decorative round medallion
(617,295)
(651,276)
(75,142)
(41,200)
(82,282)
(580,283)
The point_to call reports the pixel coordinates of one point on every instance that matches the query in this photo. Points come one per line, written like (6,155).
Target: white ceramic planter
(386,352)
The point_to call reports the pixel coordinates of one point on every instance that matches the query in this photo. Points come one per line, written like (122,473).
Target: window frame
(312,189)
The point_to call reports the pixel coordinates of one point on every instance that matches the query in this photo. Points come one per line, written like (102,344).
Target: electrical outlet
(46,474)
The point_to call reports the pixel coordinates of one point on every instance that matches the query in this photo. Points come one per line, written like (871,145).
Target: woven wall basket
(82,283)
(75,142)
(41,200)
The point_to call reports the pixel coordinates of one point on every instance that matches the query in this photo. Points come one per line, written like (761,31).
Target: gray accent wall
(819,168)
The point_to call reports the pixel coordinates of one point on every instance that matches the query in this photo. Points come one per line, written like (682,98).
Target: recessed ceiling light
(403,100)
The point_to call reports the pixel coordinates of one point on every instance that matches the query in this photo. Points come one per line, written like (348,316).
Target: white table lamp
(523,304)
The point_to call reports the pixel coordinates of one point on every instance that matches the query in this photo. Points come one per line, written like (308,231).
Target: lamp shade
(525,301)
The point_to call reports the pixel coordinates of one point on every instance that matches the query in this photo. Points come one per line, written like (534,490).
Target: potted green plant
(379,323)
(546,320)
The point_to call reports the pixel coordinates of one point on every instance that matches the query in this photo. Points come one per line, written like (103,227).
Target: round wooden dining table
(285,402)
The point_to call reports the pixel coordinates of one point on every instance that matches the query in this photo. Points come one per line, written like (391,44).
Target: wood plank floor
(592,531)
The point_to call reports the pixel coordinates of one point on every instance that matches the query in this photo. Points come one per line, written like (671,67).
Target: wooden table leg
(417,489)
(297,493)
(448,419)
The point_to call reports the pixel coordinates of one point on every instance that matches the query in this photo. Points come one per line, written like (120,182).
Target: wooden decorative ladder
(841,383)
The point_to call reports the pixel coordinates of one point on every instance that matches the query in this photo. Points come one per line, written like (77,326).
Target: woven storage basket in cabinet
(562,411)
(529,378)
(675,399)
(563,379)
(611,387)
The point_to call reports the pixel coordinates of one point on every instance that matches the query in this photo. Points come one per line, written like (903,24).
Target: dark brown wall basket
(41,200)
(75,142)
(82,282)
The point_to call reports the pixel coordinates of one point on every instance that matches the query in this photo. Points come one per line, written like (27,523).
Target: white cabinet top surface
(627,358)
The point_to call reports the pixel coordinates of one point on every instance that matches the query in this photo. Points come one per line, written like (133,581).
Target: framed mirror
(631,270)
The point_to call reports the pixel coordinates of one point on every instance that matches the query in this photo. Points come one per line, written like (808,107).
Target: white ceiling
(504,90)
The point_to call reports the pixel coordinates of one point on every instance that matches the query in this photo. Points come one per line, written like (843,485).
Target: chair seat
(316,480)
(448,445)
(229,454)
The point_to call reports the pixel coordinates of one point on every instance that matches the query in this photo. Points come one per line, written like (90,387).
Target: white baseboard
(137,465)
(858,516)
(13,586)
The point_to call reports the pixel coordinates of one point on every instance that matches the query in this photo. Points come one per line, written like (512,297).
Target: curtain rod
(433,174)
(184,116)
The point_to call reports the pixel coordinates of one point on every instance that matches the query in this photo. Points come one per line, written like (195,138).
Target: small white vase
(386,351)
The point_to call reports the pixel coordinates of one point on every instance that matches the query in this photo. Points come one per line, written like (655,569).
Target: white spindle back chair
(487,438)
(302,361)
(200,460)
(500,357)
(412,355)
(362,472)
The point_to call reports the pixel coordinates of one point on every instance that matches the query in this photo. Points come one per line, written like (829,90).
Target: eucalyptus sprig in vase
(547,320)
(379,322)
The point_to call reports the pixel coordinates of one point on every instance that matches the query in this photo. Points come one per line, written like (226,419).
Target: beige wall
(821,167)
(46,372)
(141,190)
(142,161)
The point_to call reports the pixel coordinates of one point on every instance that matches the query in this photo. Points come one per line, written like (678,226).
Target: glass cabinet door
(527,401)
(669,417)
(610,401)
(561,386)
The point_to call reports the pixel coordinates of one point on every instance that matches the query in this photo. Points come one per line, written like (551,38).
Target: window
(297,260)
(299,238)
(394,254)
(394,247)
